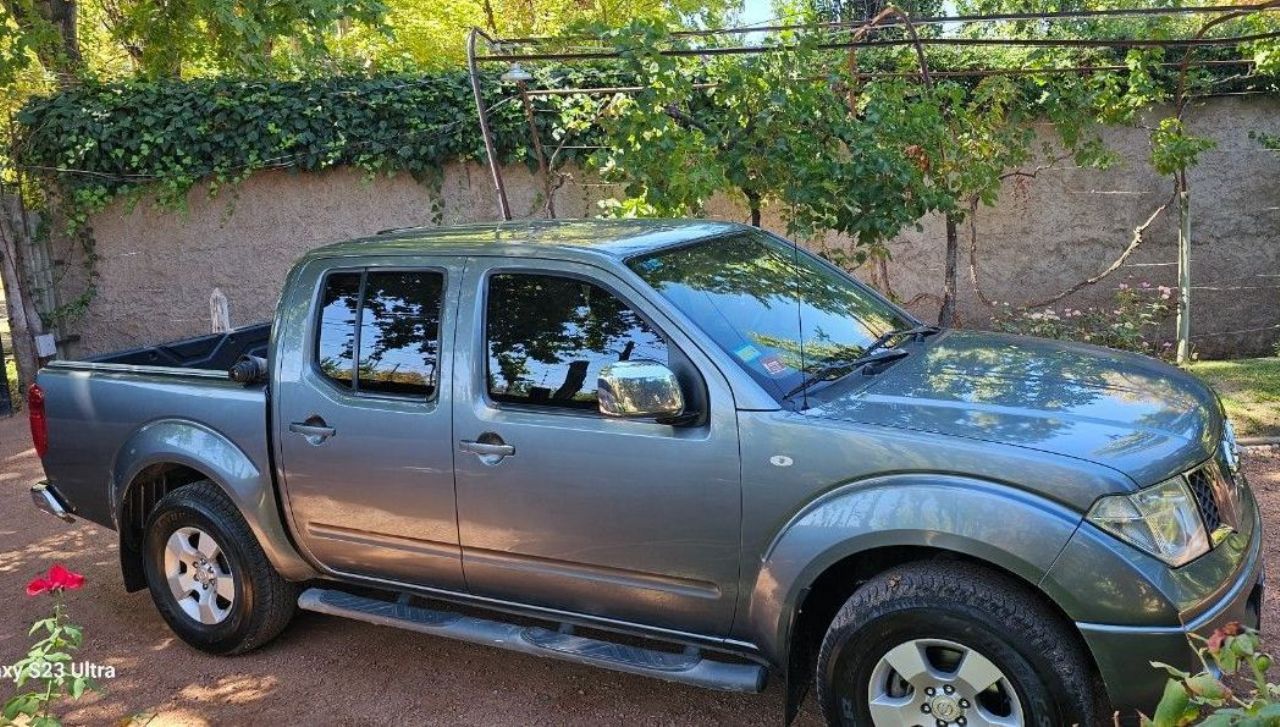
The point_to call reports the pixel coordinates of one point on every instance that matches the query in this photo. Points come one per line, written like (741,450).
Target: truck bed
(107,415)
(216,351)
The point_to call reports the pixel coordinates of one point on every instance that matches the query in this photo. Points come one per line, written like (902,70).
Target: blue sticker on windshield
(747,353)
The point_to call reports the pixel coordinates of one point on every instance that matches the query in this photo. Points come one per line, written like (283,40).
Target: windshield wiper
(917,332)
(841,369)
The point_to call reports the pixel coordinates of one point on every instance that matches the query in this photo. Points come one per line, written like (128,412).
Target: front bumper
(47,498)
(1124,653)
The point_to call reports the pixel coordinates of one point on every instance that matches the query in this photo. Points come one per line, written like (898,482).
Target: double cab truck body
(686,449)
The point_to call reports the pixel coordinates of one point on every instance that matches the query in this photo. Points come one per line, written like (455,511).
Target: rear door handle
(313,429)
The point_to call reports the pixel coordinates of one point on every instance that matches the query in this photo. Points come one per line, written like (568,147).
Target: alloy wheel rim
(941,683)
(199,576)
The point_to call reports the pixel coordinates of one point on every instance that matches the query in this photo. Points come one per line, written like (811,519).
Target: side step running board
(688,667)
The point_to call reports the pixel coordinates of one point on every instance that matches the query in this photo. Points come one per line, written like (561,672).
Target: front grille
(1202,487)
(1217,494)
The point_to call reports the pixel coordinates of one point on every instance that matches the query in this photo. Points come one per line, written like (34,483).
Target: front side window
(548,336)
(398,336)
(780,312)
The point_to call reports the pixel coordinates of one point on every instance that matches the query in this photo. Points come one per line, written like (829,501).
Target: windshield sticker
(773,365)
(747,353)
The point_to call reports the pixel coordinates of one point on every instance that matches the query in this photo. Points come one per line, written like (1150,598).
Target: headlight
(1230,448)
(1162,520)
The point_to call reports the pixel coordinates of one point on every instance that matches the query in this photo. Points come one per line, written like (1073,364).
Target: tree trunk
(63,14)
(24,323)
(489,18)
(1184,273)
(753,201)
(947,316)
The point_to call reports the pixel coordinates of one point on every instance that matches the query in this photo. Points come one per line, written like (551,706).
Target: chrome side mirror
(640,388)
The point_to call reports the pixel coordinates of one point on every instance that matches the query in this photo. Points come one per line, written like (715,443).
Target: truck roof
(570,238)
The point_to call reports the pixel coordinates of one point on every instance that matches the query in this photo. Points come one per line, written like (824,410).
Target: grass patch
(1250,389)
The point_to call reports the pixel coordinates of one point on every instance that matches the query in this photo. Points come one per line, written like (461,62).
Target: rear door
(364,436)
(562,507)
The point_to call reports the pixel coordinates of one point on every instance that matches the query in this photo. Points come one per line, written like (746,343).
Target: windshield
(770,305)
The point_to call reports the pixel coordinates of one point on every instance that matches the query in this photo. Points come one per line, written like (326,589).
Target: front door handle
(490,448)
(314,430)
(484,448)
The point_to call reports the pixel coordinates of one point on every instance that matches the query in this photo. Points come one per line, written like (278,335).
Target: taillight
(39,425)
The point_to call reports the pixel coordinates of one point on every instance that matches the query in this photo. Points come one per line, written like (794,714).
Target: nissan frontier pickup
(685,449)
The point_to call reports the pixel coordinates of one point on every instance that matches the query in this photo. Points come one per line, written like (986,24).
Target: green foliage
(1128,322)
(772,128)
(100,141)
(167,38)
(1173,150)
(792,128)
(1205,698)
(423,35)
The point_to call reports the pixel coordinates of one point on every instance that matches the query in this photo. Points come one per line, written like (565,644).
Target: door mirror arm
(683,419)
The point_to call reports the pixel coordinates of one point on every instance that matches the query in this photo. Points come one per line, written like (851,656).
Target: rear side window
(548,336)
(397,336)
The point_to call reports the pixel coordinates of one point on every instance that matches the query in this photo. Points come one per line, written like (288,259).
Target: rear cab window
(379,332)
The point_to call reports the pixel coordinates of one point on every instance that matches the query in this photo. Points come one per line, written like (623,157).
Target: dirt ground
(329,671)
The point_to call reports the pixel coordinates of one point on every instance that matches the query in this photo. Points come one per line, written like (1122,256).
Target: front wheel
(936,644)
(208,575)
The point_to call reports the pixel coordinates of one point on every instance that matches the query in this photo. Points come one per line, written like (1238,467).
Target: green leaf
(1175,708)
(1205,686)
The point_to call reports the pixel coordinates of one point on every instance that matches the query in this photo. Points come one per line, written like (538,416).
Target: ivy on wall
(99,142)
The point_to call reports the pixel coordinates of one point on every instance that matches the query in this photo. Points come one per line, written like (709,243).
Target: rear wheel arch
(139,498)
(166,455)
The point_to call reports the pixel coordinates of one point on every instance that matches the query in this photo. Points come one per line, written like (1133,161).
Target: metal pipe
(1006,42)
(932,20)
(974,73)
(495,170)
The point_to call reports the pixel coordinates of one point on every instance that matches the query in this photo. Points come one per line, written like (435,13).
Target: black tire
(264,602)
(985,611)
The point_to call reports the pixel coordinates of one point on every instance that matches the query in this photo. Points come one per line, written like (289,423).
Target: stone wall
(157,268)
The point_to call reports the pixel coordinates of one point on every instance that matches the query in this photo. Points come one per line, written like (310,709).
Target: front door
(562,507)
(364,437)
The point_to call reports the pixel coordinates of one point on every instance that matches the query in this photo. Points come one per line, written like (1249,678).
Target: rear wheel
(934,644)
(208,575)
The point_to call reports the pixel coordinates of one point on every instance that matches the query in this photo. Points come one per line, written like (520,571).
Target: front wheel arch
(970,598)
(823,598)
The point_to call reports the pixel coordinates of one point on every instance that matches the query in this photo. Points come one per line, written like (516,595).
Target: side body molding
(250,486)
(997,524)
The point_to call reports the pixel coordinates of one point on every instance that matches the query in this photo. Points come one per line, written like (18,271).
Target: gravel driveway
(330,671)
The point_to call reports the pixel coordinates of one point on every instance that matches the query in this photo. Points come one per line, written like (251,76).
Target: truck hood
(1131,413)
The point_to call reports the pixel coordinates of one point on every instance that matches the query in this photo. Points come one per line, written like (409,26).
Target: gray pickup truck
(684,449)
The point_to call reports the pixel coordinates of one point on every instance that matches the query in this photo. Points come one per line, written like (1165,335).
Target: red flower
(38,586)
(58,579)
(62,578)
